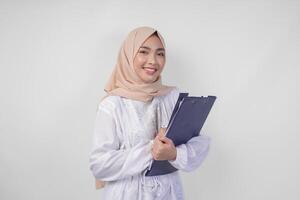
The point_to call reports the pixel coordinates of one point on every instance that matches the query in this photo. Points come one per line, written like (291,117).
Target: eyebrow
(158,49)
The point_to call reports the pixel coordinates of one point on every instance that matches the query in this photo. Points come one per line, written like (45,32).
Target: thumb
(162,132)
(165,140)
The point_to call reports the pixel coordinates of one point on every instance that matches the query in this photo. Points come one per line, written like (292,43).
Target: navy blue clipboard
(187,119)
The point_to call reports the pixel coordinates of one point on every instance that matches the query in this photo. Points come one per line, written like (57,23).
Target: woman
(129,127)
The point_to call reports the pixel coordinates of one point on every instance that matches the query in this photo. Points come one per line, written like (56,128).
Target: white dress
(121,151)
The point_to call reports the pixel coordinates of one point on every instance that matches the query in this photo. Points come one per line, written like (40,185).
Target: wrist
(174,155)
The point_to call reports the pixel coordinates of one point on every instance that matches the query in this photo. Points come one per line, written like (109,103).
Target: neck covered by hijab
(124,81)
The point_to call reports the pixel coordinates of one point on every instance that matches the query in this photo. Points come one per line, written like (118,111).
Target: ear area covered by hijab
(124,81)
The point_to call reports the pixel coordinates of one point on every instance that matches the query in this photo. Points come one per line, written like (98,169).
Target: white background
(56,56)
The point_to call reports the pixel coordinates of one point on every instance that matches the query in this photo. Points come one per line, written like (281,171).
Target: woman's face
(150,59)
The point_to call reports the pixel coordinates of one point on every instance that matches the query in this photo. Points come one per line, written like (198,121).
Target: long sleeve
(107,161)
(192,154)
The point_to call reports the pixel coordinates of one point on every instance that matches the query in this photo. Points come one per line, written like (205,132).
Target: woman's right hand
(163,147)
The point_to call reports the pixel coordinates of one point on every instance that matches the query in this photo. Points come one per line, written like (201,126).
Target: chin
(150,80)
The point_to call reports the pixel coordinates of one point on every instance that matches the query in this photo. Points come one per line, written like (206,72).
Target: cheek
(161,62)
(139,61)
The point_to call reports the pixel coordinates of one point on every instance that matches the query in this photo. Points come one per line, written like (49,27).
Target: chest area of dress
(139,121)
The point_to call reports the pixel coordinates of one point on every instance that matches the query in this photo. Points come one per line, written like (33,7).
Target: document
(187,119)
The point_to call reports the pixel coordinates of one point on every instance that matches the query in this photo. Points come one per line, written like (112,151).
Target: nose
(152,59)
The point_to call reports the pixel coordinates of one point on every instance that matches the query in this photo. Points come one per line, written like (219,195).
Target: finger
(162,132)
(162,139)
(153,154)
(154,146)
(157,141)
(157,145)
(165,140)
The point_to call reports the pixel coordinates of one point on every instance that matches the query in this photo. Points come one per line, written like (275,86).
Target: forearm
(189,156)
(117,164)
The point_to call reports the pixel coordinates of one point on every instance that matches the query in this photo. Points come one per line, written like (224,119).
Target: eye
(143,52)
(161,54)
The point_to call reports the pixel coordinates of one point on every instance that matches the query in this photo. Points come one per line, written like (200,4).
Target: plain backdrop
(56,56)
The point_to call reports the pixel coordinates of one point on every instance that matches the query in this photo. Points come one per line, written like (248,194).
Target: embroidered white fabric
(121,152)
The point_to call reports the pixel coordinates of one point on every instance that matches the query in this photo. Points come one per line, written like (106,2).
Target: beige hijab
(125,82)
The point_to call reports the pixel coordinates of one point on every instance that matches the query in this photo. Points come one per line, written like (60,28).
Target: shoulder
(172,95)
(109,104)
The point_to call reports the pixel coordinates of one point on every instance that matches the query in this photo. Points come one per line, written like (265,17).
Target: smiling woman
(150,59)
(130,126)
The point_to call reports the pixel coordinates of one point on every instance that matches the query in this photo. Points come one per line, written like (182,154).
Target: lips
(150,70)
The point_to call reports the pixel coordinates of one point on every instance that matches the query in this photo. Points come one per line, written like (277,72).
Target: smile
(149,70)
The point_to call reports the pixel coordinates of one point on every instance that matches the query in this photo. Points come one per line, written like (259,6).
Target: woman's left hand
(163,148)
